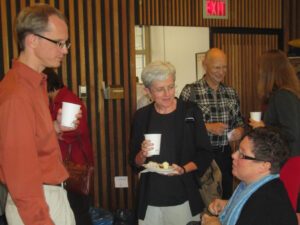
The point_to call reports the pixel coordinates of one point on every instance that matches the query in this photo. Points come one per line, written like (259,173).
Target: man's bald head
(215,65)
(214,53)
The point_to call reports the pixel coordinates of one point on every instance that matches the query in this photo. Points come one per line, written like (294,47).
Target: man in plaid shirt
(221,112)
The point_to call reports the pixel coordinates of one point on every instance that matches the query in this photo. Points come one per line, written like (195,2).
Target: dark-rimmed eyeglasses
(60,44)
(243,156)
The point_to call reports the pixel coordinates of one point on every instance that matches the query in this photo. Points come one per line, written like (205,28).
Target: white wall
(178,45)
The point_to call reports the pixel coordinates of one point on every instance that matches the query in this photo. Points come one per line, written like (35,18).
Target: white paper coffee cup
(256,116)
(155,139)
(69,110)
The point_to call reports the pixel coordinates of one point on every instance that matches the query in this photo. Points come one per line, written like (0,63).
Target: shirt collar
(204,83)
(28,74)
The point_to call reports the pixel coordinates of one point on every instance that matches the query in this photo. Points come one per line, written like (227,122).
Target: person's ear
(148,92)
(266,166)
(31,40)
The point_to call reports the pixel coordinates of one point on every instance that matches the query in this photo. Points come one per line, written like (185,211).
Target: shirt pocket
(231,109)
(206,112)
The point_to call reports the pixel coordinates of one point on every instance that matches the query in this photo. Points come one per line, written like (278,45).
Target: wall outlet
(82,91)
(121,181)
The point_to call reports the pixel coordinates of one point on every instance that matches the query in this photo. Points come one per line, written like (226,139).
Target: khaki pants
(170,215)
(56,198)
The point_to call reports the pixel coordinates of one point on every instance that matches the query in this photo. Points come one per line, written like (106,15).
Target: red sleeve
(290,176)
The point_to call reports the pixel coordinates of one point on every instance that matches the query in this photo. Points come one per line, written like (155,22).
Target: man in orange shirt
(30,159)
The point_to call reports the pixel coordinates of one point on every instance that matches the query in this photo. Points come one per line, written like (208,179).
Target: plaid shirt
(223,107)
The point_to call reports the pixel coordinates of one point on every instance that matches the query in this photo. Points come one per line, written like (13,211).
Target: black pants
(80,205)
(3,220)
(223,158)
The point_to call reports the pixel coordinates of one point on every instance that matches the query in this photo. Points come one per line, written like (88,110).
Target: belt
(63,184)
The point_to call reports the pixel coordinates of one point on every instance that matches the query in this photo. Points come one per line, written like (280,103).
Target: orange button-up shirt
(29,149)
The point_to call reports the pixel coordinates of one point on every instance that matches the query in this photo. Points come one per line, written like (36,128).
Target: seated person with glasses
(261,197)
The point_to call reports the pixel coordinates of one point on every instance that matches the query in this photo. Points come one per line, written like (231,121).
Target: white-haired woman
(174,198)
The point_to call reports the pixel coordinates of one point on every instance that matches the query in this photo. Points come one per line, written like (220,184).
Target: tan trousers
(170,215)
(56,198)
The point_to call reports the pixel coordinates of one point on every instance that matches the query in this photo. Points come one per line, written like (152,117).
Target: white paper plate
(159,170)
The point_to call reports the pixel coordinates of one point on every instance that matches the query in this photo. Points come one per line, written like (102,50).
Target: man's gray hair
(34,20)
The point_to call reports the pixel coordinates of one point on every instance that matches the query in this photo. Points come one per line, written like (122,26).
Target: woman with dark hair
(59,93)
(279,90)
(261,197)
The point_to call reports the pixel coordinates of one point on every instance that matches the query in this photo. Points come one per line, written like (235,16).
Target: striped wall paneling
(242,13)
(243,51)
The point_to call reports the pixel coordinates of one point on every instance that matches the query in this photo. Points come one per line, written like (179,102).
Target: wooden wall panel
(242,13)
(5,41)
(101,141)
(102,37)
(291,24)
(92,82)
(243,51)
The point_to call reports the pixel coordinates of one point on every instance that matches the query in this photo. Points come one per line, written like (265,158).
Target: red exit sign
(215,9)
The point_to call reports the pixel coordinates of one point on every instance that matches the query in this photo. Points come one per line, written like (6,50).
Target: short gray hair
(157,70)
(34,20)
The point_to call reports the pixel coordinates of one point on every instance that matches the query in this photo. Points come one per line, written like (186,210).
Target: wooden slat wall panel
(13,16)
(109,104)
(102,37)
(126,68)
(291,22)
(92,82)
(242,51)
(5,46)
(242,13)
(101,121)
(73,72)
(64,62)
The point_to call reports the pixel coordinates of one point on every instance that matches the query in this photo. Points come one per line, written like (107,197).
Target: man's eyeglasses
(243,156)
(60,44)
